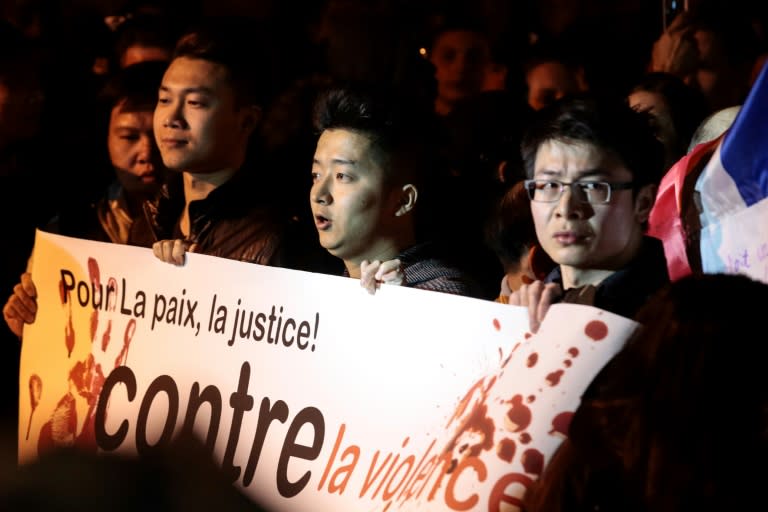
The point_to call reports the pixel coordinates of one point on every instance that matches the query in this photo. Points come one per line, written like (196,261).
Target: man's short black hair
(606,122)
(234,44)
(400,126)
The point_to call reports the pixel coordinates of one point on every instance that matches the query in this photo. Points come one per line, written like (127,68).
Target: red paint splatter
(59,430)
(596,329)
(79,373)
(475,429)
(69,335)
(35,392)
(573,352)
(86,378)
(561,422)
(130,329)
(532,359)
(477,426)
(476,387)
(518,416)
(531,398)
(553,379)
(525,438)
(533,461)
(506,450)
(95,275)
(105,337)
(496,324)
(93,271)
(528,335)
(111,297)
(567,363)
(94,324)
(45,438)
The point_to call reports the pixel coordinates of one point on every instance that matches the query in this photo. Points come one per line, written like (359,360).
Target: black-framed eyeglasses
(592,192)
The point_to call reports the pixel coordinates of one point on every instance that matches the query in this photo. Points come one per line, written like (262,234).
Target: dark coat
(626,290)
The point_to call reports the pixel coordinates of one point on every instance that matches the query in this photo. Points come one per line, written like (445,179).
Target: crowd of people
(489,165)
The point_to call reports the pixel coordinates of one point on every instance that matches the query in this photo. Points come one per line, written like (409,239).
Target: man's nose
(570,204)
(174,115)
(321,192)
(145,148)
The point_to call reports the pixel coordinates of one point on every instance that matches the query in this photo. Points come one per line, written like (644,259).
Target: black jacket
(626,290)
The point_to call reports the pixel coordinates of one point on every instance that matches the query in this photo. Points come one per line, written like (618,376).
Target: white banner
(312,394)
(738,243)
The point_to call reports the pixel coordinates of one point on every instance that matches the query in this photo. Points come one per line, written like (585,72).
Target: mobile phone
(670,9)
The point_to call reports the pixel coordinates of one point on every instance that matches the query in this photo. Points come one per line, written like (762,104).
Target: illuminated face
(580,235)
(460,58)
(352,206)
(549,81)
(132,149)
(713,73)
(198,126)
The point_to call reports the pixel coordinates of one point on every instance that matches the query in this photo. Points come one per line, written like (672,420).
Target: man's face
(197,125)
(352,206)
(132,149)
(578,234)
(549,81)
(713,74)
(460,58)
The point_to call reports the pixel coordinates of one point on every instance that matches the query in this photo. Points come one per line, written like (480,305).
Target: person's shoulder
(426,269)
(628,289)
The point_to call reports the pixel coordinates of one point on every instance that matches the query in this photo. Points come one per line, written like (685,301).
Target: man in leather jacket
(208,108)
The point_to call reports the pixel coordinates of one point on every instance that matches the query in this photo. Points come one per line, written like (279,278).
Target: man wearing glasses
(594,166)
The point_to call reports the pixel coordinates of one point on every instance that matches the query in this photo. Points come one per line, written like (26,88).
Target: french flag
(736,177)
(710,211)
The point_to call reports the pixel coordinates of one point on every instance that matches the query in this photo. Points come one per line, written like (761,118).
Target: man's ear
(251,117)
(408,197)
(644,201)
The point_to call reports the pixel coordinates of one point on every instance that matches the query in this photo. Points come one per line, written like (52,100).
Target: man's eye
(343,177)
(315,176)
(129,137)
(163,101)
(587,186)
(548,185)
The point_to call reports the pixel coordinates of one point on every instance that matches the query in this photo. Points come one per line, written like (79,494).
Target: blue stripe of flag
(744,150)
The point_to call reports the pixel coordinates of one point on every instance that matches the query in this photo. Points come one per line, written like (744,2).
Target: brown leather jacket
(234,221)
